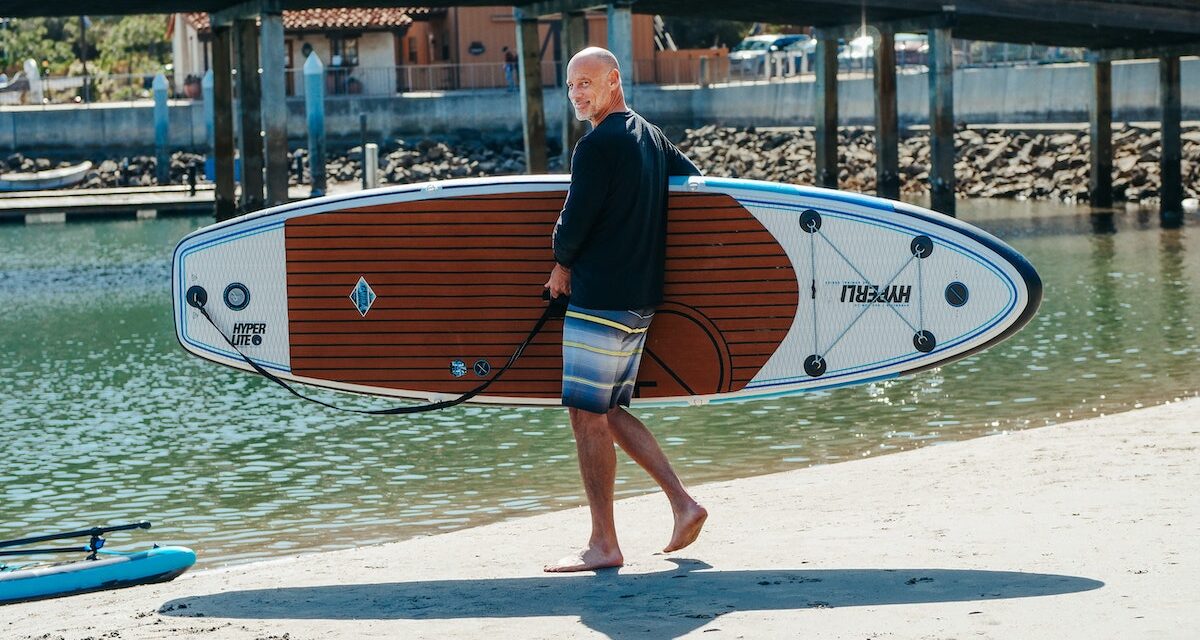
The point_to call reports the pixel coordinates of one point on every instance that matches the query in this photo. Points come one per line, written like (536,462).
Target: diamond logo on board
(363,296)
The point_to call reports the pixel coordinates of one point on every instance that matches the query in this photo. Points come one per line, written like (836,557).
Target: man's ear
(614,77)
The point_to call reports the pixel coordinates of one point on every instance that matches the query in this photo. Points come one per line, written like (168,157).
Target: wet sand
(1082,530)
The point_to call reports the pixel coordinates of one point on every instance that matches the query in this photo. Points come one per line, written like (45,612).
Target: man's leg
(598,467)
(639,443)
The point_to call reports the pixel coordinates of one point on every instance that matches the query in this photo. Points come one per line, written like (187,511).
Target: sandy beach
(1082,530)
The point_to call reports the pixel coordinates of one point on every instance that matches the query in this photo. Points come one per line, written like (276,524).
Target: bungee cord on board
(555,308)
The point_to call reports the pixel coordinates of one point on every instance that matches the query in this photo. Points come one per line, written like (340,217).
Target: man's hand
(559,283)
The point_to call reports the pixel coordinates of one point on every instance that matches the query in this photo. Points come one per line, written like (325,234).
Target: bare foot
(589,559)
(687,527)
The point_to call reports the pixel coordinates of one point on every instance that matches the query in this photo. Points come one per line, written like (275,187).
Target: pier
(246,63)
(1113,30)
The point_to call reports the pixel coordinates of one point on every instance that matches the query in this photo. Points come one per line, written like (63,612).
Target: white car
(749,57)
(911,49)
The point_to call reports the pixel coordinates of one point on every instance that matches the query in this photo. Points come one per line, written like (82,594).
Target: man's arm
(677,163)
(585,201)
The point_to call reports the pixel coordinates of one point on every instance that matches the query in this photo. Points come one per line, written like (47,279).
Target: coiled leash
(555,308)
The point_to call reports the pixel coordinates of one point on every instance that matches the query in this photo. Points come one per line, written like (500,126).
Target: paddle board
(113,570)
(424,291)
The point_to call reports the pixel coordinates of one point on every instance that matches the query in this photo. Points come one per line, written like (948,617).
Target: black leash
(556,308)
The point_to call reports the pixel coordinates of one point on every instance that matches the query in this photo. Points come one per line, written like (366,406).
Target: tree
(115,44)
(134,44)
(46,40)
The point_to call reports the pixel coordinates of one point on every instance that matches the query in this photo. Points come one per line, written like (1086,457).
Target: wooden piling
(826,111)
(941,120)
(274,116)
(1100,135)
(250,105)
(574,41)
(887,121)
(224,205)
(1171,191)
(533,110)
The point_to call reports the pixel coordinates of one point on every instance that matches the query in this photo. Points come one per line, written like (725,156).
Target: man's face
(589,87)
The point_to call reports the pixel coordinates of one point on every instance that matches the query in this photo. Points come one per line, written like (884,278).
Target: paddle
(93,545)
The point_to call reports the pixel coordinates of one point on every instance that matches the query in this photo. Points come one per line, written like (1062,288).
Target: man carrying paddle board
(609,249)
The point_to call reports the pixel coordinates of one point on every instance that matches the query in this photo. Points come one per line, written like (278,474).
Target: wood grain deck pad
(458,284)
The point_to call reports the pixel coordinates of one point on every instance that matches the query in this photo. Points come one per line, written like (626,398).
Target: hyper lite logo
(872,293)
(248,333)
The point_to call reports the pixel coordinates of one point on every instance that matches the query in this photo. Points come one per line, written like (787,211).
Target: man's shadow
(662,604)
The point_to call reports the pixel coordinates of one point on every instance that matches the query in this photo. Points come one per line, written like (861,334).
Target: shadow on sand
(663,604)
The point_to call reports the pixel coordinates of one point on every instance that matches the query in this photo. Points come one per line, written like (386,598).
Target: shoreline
(995,161)
(1083,529)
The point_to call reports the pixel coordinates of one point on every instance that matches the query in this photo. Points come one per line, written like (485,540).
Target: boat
(101,569)
(48,179)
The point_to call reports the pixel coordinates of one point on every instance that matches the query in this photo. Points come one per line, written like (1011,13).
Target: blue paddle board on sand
(110,570)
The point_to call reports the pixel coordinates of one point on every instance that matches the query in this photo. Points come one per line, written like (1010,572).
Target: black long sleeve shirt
(613,228)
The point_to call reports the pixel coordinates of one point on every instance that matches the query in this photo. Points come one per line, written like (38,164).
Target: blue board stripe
(182,302)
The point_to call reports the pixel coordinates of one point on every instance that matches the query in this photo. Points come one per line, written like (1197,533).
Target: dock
(39,207)
(140,203)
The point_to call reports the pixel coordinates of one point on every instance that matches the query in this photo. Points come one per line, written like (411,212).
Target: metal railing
(384,81)
(82,90)
(1000,54)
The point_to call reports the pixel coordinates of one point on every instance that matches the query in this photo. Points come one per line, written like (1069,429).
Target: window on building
(412,51)
(343,51)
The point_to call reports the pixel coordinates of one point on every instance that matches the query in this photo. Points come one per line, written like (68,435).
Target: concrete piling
(162,121)
(314,105)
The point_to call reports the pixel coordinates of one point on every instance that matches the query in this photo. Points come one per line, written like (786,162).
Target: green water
(105,419)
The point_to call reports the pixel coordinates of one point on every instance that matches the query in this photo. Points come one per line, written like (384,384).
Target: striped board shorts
(601,354)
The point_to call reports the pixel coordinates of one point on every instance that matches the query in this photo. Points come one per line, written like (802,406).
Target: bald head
(596,56)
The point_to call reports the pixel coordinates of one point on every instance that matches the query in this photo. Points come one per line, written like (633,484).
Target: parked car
(857,53)
(801,51)
(912,49)
(749,57)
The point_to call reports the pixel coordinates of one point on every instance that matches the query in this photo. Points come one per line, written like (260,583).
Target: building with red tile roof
(392,50)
